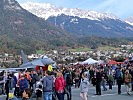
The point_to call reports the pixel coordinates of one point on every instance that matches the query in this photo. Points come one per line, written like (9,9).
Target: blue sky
(120,8)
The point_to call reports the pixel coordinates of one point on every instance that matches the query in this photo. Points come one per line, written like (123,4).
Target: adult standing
(15,84)
(110,81)
(23,84)
(91,71)
(104,78)
(34,78)
(69,82)
(132,78)
(9,85)
(127,79)
(76,78)
(119,78)
(98,82)
(60,86)
(48,86)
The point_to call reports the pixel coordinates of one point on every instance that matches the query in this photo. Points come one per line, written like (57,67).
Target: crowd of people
(53,85)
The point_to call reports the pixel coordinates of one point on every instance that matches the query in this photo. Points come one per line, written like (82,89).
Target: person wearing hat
(128,78)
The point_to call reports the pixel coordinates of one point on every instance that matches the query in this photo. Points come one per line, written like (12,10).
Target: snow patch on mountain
(129,20)
(45,10)
(129,23)
(74,20)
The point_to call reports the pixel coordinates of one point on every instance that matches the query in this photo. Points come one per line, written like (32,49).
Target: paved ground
(106,95)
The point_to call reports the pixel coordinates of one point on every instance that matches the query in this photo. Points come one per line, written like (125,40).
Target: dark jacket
(35,78)
(15,80)
(25,99)
(98,77)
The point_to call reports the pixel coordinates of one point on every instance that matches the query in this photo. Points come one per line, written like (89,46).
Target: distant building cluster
(73,57)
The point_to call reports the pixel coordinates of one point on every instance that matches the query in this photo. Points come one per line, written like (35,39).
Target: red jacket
(60,84)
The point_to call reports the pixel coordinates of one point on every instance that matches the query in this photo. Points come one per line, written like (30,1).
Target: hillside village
(71,57)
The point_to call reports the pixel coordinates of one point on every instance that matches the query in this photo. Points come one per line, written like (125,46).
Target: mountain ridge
(51,10)
(81,22)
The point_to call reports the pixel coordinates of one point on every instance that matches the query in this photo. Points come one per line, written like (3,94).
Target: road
(106,95)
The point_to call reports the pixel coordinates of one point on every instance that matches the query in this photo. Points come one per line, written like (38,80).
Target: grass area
(106,48)
(40,51)
(82,49)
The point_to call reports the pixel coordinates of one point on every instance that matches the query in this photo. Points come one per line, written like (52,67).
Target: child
(39,91)
(84,86)
(26,94)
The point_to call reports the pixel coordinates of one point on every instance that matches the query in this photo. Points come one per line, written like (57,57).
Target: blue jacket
(48,84)
(23,84)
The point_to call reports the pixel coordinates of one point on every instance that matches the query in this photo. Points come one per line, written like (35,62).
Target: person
(34,79)
(84,86)
(132,78)
(104,78)
(98,82)
(76,78)
(127,79)
(48,85)
(104,84)
(110,81)
(26,94)
(60,86)
(2,81)
(15,84)
(119,78)
(9,85)
(68,76)
(39,90)
(92,79)
(23,84)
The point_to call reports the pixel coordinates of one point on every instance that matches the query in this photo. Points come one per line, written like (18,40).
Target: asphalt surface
(106,95)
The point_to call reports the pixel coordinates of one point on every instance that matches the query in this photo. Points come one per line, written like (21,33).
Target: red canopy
(113,62)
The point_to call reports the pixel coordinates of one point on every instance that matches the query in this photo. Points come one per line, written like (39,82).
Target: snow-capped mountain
(45,10)
(81,22)
(11,5)
(129,20)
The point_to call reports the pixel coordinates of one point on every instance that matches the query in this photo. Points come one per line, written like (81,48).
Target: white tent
(90,61)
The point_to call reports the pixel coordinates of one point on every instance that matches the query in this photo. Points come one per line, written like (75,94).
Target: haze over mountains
(82,22)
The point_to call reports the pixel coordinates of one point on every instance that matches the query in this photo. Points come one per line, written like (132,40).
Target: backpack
(128,78)
(69,80)
(119,75)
